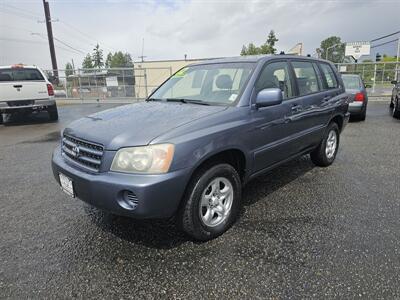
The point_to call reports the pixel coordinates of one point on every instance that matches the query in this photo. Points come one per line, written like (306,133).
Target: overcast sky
(197,28)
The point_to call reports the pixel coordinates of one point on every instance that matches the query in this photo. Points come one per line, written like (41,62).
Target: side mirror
(269,97)
(394,82)
(368,86)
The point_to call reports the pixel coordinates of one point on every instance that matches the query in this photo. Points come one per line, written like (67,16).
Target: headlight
(153,159)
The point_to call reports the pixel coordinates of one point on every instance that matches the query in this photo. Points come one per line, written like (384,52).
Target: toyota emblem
(76,151)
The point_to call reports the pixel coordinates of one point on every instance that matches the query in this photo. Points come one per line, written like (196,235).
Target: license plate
(67,185)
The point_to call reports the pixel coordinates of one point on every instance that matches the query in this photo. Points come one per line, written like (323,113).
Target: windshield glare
(213,83)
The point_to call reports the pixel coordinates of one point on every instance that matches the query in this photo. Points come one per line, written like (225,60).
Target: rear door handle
(17,86)
(326,98)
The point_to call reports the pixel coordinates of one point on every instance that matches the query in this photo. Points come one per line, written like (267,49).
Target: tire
(320,155)
(201,218)
(363,115)
(391,105)
(396,109)
(53,112)
(1,118)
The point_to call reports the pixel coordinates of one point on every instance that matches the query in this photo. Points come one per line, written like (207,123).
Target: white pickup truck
(25,89)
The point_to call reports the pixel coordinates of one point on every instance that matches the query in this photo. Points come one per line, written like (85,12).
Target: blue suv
(189,149)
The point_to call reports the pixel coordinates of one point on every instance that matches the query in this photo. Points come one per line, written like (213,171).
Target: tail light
(50,89)
(359,97)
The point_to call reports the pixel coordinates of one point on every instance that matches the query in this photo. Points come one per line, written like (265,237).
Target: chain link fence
(107,84)
(377,76)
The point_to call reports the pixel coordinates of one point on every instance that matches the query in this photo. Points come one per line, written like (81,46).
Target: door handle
(326,98)
(17,86)
(296,108)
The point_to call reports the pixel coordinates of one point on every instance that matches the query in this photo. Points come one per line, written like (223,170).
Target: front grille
(86,154)
(20,103)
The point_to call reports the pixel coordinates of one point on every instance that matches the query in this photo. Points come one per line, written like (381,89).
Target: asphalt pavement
(304,231)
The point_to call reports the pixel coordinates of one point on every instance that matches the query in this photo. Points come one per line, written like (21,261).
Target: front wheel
(211,203)
(1,118)
(325,153)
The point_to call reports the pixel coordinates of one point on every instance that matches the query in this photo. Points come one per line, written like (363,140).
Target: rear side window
(329,76)
(20,74)
(351,82)
(306,77)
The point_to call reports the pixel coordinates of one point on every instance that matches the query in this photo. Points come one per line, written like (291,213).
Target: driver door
(276,128)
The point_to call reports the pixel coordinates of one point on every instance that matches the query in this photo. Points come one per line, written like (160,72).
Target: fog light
(128,200)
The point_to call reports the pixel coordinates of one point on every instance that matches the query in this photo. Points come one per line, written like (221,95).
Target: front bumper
(158,195)
(36,105)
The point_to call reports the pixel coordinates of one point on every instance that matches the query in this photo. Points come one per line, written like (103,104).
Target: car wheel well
(339,121)
(234,157)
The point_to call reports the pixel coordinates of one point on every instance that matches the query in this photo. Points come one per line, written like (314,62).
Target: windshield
(219,84)
(351,82)
(20,74)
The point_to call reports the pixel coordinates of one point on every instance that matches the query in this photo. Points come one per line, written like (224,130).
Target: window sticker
(181,73)
(233,97)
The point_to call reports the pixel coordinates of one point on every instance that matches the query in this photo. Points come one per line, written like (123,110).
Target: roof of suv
(254,58)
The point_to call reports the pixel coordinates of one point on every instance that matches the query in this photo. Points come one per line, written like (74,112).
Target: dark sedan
(359,99)
(395,99)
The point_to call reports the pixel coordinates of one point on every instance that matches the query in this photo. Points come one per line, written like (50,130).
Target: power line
(33,42)
(380,38)
(19,9)
(384,43)
(65,44)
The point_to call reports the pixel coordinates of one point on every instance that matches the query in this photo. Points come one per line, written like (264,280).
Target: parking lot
(304,231)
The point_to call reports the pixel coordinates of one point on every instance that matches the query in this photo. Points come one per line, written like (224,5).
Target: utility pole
(142,56)
(51,39)
(397,74)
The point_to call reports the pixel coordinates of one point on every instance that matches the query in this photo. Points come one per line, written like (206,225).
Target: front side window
(306,77)
(20,74)
(275,75)
(329,75)
(219,84)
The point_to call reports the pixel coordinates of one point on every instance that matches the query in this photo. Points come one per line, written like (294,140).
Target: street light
(327,49)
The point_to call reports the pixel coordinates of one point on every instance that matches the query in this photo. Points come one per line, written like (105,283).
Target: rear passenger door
(331,89)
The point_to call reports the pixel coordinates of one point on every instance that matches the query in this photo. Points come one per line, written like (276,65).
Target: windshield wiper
(153,99)
(183,100)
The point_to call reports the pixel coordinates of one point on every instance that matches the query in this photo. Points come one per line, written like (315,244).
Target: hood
(137,124)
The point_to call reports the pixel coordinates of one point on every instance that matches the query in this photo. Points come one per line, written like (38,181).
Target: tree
(68,69)
(269,45)
(334,47)
(87,62)
(97,57)
(267,48)
(119,60)
(108,60)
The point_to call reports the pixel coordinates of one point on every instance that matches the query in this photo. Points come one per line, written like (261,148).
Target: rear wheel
(325,153)
(391,105)
(1,118)
(396,109)
(53,112)
(211,203)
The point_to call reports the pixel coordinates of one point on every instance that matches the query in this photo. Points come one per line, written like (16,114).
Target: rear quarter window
(22,74)
(329,77)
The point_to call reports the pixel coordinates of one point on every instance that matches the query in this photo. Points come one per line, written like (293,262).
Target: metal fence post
(383,72)
(145,82)
(123,81)
(80,85)
(373,85)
